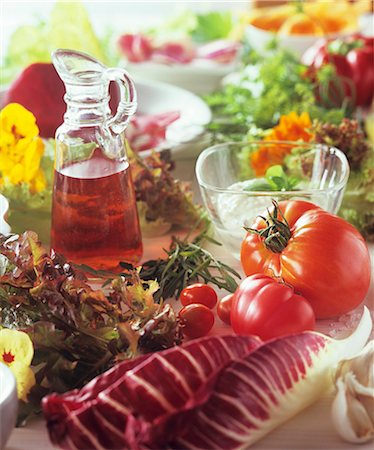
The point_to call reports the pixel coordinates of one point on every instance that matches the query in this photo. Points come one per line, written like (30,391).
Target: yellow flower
(291,128)
(21,148)
(17,351)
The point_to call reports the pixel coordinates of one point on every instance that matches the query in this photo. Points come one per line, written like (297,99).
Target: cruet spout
(87,81)
(77,68)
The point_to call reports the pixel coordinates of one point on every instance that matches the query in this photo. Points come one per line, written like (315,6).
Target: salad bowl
(234,196)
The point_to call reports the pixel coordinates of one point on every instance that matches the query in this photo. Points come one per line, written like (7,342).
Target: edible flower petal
(21,148)
(17,351)
(292,127)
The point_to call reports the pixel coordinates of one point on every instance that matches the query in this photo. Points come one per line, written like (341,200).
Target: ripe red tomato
(199,293)
(264,307)
(224,308)
(322,256)
(197,320)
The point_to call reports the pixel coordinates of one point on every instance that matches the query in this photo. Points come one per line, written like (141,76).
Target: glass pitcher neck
(87,104)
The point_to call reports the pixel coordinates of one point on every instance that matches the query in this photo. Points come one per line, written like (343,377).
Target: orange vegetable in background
(314,18)
(271,19)
(301,24)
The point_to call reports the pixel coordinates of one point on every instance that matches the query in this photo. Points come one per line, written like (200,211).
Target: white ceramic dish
(185,136)
(4,206)
(258,39)
(200,77)
(8,404)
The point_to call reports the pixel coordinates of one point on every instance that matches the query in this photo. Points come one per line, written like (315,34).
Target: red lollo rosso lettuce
(214,392)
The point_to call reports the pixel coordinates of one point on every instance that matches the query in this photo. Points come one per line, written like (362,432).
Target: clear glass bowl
(223,171)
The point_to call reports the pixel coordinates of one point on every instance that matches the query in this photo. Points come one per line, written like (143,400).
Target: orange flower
(291,127)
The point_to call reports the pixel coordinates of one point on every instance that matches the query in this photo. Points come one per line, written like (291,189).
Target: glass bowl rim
(207,151)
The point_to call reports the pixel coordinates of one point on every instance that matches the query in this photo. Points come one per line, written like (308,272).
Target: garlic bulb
(353,406)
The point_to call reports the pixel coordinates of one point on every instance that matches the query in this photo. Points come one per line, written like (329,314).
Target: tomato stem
(277,232)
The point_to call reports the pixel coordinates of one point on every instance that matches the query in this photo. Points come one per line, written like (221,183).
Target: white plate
(259,39)
(200,77)
(8,403)
(185,136)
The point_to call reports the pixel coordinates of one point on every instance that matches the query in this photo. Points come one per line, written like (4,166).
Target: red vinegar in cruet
(94,216)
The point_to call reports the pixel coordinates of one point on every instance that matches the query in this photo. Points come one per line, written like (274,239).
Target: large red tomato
(321,255)
(264,307)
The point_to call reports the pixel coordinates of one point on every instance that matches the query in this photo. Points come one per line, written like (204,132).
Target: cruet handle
(128,99)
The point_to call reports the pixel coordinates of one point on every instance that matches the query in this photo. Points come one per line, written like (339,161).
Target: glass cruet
(94,214)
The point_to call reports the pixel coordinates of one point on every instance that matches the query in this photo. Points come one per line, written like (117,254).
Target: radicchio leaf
(215,392)
(269,386)
(142,402)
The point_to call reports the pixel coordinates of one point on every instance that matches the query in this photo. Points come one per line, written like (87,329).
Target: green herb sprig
(187,262)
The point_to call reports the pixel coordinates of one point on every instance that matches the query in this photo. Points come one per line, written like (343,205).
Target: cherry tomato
(264,307)
(197,320)
(224,308)
(321,255)
(199,293)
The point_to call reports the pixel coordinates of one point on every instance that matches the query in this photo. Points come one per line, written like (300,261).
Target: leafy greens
(262,91)
(77,331)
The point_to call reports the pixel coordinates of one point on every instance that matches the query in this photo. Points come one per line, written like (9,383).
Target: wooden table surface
(311,429)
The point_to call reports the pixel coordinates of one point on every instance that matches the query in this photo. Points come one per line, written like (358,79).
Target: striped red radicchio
(143,402)
(216,392)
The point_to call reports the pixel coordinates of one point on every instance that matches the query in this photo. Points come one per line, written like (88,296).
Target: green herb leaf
(263,90)
(212,25)
(275,180)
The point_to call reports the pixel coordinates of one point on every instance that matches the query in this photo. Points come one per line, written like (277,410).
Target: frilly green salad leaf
(199,27)
(212,25)
(263,90)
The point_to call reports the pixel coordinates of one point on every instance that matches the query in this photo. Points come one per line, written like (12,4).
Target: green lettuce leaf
(69,26)
(212,25)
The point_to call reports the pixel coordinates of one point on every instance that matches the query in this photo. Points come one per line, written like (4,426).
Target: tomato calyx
(277,232)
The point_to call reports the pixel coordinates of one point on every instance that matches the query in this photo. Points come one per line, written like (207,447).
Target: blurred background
(123,16)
